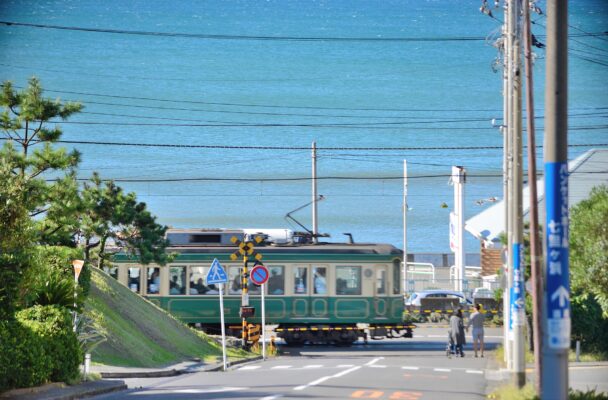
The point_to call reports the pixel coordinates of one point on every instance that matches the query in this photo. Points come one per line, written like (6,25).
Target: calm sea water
(238,91)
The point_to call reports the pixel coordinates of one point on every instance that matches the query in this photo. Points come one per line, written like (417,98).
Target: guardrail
(415,268)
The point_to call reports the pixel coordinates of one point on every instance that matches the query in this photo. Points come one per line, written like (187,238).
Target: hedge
(38,346)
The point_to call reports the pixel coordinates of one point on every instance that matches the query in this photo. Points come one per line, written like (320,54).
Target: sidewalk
(61,391)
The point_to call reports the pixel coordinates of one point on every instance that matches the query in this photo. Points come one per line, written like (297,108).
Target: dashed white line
(281,367)
(249,367)
(411,368)
(378,366)
(474,371)
(312,366)
(442,369)
(276,396)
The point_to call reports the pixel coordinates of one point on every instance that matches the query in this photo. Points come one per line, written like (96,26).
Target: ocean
(209,113)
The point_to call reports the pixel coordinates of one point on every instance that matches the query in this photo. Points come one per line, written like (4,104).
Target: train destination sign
(259,274)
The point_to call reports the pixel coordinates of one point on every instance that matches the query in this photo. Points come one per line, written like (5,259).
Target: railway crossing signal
(247,250)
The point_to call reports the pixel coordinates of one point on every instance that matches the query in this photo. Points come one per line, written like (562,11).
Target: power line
(299,148)
(267,38)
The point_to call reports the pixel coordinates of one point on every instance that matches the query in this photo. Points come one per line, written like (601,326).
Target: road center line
(442,369)
(474,371)
(411,368)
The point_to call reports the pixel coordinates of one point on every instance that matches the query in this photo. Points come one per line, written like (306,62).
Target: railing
(414,268)
(470,272)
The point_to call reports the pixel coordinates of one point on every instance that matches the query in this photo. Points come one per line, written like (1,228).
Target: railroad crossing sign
(245,248)
(259,274)
(216,273)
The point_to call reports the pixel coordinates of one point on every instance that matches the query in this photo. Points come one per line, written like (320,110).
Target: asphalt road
(405,369)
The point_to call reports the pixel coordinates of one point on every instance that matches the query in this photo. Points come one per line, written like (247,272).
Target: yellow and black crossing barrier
(253,333)
(430,311)
(343,328)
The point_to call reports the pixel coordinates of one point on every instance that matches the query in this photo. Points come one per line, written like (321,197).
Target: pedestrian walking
(457,332)
(476,321)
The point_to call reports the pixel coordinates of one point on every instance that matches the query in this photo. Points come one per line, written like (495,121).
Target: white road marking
(411,368)
(474,371)
(249,367)
(323,379)
(375,360)
(211,390)
(277,396)
(281,367)
(442,369)
(378,366)
(312,366)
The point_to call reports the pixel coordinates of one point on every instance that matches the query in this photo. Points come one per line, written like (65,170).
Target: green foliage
(112,215)
(53,325)
(588,326)
(22,357)
(24,122)
(510,392)
(589,246)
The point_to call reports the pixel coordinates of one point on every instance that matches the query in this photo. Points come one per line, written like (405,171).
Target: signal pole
(557,290)
(405,288)
(459,179)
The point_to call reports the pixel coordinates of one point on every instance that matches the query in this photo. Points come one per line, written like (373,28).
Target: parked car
(416,297)
(482,293)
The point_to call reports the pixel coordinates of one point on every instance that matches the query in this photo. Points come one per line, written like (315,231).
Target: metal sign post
(217,275)
(263,324)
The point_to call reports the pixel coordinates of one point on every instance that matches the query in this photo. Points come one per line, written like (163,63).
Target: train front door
(381,298)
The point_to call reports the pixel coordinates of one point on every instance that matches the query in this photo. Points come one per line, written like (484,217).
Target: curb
(200,367)
(60,391)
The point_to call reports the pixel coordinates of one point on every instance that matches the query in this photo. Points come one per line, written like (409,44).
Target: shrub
(54,326)
(23,362)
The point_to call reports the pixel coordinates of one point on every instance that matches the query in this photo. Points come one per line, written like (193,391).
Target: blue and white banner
(517,302)
(556,261)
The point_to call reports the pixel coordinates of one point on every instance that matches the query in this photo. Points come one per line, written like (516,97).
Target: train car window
(112,271)
(300,284)
(197,280)
(235,280)
(153,281)
(276,282)
(134,279)
(381,281)
(396,276)
(177,280)
(348,280)
(320,280)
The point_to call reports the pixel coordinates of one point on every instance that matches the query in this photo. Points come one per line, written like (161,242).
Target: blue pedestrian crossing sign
(216,273)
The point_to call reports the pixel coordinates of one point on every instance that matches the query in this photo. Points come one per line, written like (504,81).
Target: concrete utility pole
(557,295)
(517,293)
(405,278)
(315,227)
(459,179)
(535,248)
(507,340)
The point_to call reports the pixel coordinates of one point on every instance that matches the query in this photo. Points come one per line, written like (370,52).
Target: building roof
(586,171)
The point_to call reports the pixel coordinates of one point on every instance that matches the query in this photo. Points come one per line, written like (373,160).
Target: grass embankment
(140,334)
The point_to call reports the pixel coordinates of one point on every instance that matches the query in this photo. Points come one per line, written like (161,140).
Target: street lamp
(77,264)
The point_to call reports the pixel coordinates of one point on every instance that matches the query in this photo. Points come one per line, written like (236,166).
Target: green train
(316,292)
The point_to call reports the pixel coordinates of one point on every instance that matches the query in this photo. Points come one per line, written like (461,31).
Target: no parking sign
(259,274)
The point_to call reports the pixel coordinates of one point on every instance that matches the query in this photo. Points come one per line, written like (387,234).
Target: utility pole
(405,278)
(535,248)
(459,179)
(506,92)
(315,228)
(516,254)
(557,292)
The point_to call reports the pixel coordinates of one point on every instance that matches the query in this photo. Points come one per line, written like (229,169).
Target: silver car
(416,297)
